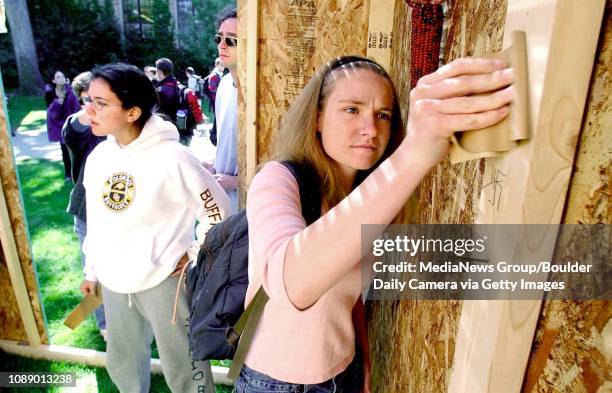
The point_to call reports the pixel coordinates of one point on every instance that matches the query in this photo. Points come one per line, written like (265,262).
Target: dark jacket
(80,142)
(168,92)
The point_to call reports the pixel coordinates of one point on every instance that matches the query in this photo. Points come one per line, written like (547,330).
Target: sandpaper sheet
(88,304)
(498,139)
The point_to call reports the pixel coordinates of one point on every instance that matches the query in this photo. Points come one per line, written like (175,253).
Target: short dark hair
(132,87)
(228,12)
(165,65)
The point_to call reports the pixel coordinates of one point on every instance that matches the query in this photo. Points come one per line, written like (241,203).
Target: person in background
(167,88)
(192,79)
(191,113)
(61,103)
(80,142)
(225,167)
(346,125)
(211,84)
(144,192)
(151,74)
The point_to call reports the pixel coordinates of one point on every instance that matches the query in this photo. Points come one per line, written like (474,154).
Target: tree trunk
(30,81)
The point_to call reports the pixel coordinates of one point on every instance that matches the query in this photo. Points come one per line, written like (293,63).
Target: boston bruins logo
(118,192)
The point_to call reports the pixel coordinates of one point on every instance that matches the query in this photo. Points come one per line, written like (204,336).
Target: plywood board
(296,38)
(380,31)
(570,351)
(529,185)
(413,342)
(18,254)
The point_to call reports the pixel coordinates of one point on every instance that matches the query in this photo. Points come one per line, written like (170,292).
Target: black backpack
(217,284)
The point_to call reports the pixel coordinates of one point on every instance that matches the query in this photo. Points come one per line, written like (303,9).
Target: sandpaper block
(498,139)
(88,304)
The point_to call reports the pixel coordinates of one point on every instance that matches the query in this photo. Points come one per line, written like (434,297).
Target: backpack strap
(243,331)
(309,184)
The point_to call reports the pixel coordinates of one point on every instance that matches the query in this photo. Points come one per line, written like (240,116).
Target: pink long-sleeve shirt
(297,346)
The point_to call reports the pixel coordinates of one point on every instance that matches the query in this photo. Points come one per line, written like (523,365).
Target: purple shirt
(58,113)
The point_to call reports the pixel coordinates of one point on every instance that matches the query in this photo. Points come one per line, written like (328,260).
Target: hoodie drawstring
(178,290)
(129,300)
(176,298)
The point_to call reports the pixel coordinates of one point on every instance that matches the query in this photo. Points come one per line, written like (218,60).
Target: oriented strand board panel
(400,54)
(450,194)
(295,38)
(571,350)
(242,122)
(11,326)
(413,342)
(590,187)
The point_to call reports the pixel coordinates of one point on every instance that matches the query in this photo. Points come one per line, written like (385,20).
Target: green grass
(57,260)
(56,250)
(27,113)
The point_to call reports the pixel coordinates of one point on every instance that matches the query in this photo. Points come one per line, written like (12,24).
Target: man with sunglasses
(226,105)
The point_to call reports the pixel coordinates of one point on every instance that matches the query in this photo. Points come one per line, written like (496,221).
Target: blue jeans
(348,381)
(80,228)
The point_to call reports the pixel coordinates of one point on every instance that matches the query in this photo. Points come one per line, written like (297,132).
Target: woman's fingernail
(508,73)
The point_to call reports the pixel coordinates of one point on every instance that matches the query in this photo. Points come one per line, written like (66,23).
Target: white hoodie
(142,203)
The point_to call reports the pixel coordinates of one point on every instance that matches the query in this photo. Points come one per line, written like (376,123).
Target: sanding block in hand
(498,139)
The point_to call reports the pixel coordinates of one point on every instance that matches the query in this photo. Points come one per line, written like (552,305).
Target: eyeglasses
(229,41)
(97,103)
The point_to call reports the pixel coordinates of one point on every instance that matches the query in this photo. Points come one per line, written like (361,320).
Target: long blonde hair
(299,141)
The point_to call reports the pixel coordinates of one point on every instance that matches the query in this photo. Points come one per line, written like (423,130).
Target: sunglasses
(229,41)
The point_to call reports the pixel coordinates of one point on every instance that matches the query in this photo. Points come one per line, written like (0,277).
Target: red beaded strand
(425,38)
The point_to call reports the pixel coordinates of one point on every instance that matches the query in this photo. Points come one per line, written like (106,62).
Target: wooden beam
(529,185)
(14,268)
(89,357)
(380,31)
(252,38)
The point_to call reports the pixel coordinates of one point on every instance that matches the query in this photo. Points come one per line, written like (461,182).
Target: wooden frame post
(9,247)
(380,32)
(252,39)
(14,268)
(529,185)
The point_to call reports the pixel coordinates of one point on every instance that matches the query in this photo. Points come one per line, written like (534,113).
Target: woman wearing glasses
(346,125)
(144,192)
(81,142)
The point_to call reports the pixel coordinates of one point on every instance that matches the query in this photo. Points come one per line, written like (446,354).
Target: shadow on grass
(27,112)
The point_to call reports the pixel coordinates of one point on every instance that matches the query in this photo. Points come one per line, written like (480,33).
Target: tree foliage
(76,35)
(18,16)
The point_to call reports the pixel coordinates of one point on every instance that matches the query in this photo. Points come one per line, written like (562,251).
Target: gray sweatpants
(132,321)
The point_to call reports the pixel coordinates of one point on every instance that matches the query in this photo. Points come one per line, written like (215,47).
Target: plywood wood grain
(494,338)
(413,342)
(569,350)
(11,324)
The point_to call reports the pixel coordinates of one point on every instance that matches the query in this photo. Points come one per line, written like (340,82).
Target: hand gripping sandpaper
(496,140)
(88,304)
